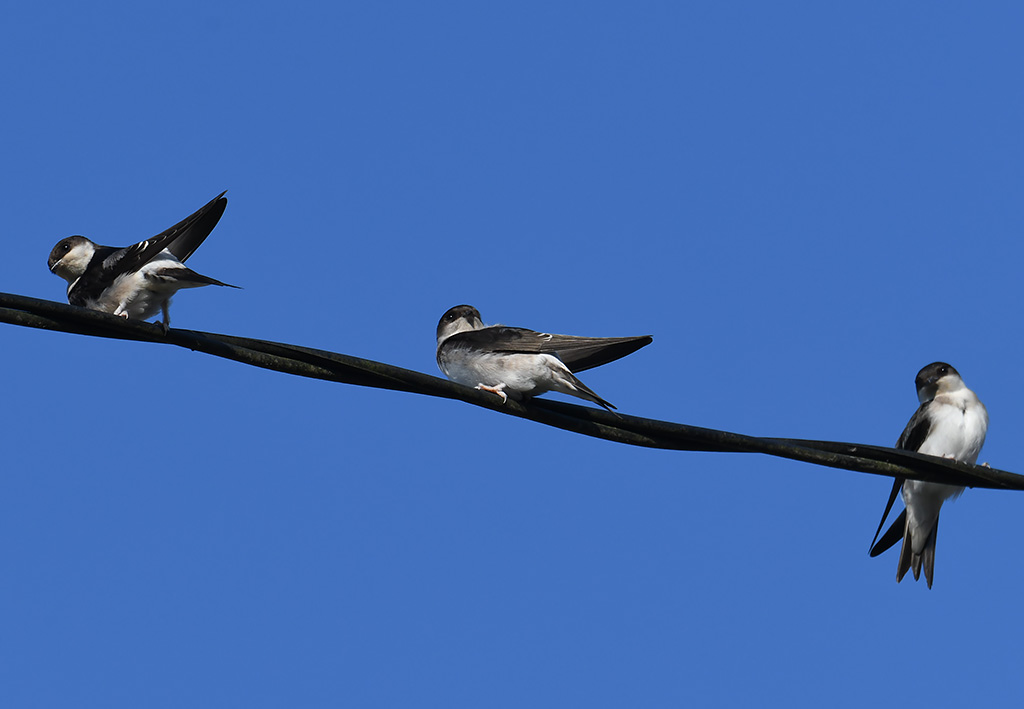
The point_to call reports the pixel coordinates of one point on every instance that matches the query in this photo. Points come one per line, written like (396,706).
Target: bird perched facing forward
(950,423)
(136,281)
(514,361)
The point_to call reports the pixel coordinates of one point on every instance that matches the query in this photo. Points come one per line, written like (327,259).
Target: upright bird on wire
(137,281)
(951,422)
(516,362)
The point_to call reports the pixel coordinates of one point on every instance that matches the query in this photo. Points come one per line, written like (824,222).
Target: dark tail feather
(215,282)
(590,394)
(915,562)
(199,278)
(928,555)
(915,565)
(906,553)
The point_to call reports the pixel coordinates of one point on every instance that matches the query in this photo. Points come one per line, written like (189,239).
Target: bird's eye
(66,247)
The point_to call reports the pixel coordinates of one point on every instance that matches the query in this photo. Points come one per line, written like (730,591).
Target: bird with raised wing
(136,281)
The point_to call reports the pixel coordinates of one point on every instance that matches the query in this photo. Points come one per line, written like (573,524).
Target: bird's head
(458,319)
(70,257)
(937,378)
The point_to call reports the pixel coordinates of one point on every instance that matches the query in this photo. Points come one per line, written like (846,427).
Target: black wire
(598,423)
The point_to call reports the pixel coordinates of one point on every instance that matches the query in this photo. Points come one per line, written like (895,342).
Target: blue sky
(803,203)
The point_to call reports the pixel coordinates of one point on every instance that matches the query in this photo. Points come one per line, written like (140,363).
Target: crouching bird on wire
(950,423)
(136,281)
(516,362)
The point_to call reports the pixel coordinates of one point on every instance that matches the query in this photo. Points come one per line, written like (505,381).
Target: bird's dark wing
(892,535)
(192,231)
(582,353)
(917,430)
(578,353)
(95,279)
(877,549)
(912,438)
(126,260)
(181,240)
(107,264)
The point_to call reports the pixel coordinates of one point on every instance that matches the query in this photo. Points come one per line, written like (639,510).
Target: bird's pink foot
(494,390)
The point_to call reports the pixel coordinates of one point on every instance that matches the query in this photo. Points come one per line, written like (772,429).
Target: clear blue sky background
(804,203)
